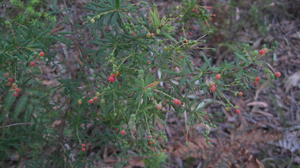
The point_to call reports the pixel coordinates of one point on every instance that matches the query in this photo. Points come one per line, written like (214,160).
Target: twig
(16,124)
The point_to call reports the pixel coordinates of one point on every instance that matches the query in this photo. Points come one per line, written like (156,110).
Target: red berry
(111,79)
(83,149)
(257,79)
(16,94)
(91,101)
(218,76)
(32,63)
(213,87)
(18,90)
(122,132)
(237,111)
(83,145)
(95,98)
(41,54)
(11,80)
(262,52)
(277,74)
(176,101)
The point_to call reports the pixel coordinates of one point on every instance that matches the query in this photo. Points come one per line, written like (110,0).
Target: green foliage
(138,60)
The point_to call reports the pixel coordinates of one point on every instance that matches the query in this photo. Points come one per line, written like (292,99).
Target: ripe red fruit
(262,52)
(41,54)
(257,79)
(91,101)
(11,80)
(122,132)
(213,87)
(32,63)
(83,145)
(218,76)
(18,90)
(176,101)
(237,111)
(111,78)
(83,149)
(277,74)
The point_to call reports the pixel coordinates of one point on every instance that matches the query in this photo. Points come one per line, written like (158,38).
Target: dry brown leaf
(56,123)
(258,103)
(293,81)
(50,82)
(254,163)
(135,162)
(110,160)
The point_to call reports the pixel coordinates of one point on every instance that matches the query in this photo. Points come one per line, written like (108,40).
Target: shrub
(137,67)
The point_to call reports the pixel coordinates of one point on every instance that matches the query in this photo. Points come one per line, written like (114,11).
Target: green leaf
(9,100)
(21,106)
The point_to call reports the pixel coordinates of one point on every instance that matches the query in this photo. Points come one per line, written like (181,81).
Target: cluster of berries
(10,82)
(17,91)
(83,147)
(33,63)
(92,100)
(112,78)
